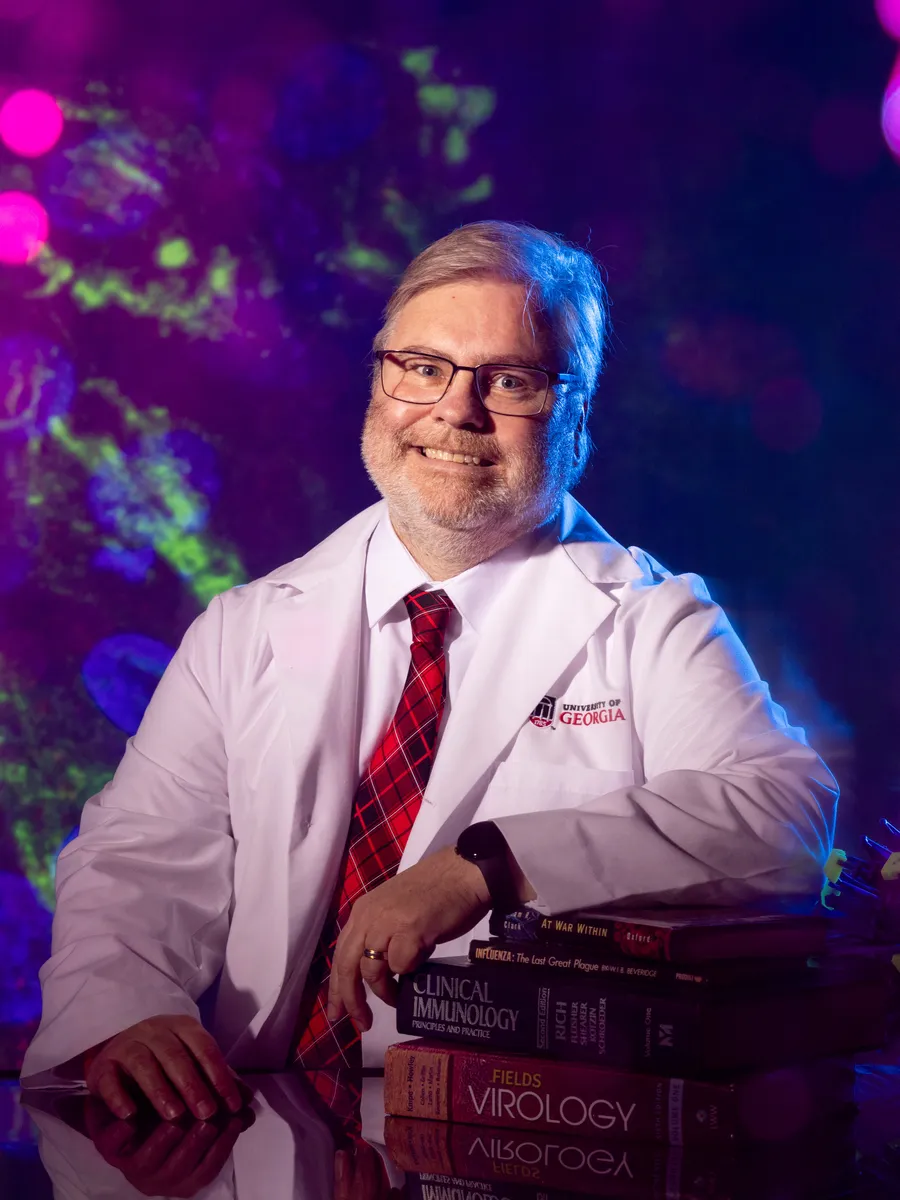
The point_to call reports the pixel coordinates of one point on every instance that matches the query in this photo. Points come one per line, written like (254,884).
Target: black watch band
(484,845)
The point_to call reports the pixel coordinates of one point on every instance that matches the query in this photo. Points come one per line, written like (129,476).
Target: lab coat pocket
(522,787)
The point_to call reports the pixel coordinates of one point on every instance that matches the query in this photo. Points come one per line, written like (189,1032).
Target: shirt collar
(392,572)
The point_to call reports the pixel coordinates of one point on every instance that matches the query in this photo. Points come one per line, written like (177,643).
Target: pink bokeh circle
(30,122)
(24,227)
(890,117)
(889,15)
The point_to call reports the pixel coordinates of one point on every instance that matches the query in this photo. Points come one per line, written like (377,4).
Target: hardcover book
(596,962)
(683,935)
(457,1162)
(435,1081)
(461,1162)
(588,1020)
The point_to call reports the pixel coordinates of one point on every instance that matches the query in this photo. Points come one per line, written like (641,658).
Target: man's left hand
(405,917)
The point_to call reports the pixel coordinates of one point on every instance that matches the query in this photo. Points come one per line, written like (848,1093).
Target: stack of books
(613,1052)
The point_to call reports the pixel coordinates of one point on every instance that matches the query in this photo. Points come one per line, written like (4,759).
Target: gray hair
(563,282)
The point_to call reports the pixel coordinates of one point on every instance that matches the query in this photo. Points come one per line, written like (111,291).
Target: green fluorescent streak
(171,504)
(438,99)
(207,312)
(462,108)
(419,62)
(208,569)
(173,254)
(143,180)
(456,145)
(404,217)
(478,105)
(481,189)
(221,277)
(363,258)
(44,789)
(834,865)
(96,114)
(52,745)
(58,272)
(40,868)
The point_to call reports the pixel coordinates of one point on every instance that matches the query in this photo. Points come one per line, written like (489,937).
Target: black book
(587,1020)
(596,962)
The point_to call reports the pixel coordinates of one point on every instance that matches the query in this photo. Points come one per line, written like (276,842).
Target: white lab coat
(213,852)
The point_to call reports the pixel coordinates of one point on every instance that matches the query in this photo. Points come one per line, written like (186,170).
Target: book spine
(427,1080)
(561,1017)
(513,1165)
(596,964)
(618,937)
(429,1186)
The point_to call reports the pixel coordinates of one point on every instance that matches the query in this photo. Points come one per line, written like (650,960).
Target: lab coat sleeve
(734,805)
(143,894)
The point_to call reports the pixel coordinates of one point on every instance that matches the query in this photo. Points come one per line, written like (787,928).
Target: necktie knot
(428,613)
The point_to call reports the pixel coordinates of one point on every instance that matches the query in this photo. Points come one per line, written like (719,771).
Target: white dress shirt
(391,574)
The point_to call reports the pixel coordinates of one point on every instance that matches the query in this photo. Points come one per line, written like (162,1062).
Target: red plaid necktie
(385,807)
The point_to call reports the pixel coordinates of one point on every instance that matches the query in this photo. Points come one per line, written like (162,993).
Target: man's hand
(169,1059)
(434,901)
(165,1159)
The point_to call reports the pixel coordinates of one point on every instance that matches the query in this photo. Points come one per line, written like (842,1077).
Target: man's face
(524,461)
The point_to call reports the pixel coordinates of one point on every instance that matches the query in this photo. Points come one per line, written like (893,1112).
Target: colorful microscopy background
(202,209)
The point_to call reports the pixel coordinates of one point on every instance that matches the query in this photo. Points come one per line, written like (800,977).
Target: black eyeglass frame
(553,378)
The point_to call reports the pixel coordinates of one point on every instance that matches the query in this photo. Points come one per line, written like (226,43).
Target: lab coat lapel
(315,643)
(533,632)
(314,629)
(313,626)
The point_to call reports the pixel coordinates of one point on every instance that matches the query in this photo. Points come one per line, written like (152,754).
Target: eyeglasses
(502,388)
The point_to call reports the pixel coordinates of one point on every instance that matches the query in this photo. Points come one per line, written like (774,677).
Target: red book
(683,935)
(459,1162)
(454,1083)
(465,1162)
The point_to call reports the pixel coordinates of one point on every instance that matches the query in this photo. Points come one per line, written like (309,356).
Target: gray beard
(488,520)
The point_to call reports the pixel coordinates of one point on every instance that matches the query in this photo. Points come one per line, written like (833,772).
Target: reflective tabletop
(324,1137)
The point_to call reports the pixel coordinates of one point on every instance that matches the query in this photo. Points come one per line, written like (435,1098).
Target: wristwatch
(484,845)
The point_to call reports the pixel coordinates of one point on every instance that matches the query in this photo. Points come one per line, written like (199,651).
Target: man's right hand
(169,1158)
(172,1061)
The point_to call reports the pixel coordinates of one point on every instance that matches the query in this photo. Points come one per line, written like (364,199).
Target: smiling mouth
(468,460)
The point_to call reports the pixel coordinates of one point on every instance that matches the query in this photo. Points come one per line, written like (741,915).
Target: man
(471,665)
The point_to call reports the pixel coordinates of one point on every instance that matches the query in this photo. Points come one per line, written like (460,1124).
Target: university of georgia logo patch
(544,712)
